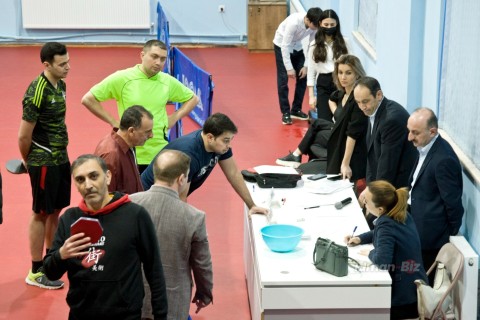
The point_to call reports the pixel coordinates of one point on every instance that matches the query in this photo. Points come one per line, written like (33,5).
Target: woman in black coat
(346,147)
(344,140)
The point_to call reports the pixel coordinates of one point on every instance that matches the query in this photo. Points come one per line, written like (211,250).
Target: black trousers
(325,88)
(298,60)
(406,311)
(318,133)
(137,315)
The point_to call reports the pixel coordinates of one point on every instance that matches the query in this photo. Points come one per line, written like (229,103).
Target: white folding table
(287,286)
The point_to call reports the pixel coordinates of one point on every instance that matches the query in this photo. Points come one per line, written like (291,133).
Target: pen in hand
(350,241)
(353,233)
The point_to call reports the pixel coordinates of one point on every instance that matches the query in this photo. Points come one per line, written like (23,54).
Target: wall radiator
(465,295)
(86,14)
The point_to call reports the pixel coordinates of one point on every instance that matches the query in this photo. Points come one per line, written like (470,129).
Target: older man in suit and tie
(436,185)
(389,154)
(182,237)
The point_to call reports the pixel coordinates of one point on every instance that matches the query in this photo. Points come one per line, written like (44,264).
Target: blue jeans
(298,60)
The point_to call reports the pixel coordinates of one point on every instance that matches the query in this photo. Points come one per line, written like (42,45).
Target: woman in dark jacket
(346,147)
(396,245)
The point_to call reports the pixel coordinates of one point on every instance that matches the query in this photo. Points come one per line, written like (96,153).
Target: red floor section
(245,89)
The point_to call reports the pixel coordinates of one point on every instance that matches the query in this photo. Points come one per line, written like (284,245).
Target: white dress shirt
(315,68)
(289,36)
(372,117)
(422,154)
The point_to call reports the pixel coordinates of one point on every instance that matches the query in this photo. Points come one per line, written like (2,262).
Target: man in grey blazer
(182,237)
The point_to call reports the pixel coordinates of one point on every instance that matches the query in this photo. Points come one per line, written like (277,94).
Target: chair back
(453,260)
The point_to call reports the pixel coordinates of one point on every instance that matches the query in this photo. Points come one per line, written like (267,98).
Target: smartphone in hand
(89,226)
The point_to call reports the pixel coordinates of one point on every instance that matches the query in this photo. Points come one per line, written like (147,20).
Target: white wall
(431,51)
(190,22)
(200,21)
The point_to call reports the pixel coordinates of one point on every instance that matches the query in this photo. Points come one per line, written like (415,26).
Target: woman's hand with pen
(352,241)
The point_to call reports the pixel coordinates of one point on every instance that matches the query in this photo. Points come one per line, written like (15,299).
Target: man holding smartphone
(106,276)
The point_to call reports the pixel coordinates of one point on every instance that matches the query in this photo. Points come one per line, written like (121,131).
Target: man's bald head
(169,165)
(422,127)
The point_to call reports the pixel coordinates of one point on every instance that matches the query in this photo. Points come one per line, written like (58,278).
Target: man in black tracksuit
(106,276)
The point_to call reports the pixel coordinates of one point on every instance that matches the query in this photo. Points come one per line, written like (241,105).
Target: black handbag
(272,180)
(278,180)
(331,257)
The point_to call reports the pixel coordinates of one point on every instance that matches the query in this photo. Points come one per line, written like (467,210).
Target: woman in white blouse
(328,45)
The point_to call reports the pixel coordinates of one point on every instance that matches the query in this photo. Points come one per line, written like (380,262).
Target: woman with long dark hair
(329,44)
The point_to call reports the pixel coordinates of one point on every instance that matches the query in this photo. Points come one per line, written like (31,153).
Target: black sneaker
(299,115)
(286,118)
(290,160)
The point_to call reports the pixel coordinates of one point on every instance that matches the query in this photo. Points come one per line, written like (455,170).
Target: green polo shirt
(132,87)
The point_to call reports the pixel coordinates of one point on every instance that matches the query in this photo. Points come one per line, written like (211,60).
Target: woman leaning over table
(346,147)
(344,141)
(396,245)
(328,45)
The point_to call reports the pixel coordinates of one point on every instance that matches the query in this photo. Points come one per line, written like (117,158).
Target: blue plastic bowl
(281,237)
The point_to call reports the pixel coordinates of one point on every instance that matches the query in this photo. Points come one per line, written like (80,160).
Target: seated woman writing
(396,245)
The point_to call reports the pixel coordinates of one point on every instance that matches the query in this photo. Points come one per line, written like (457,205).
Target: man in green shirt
(43,140)
(144,84)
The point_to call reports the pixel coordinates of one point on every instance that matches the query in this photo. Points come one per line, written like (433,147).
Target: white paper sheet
(275,169)
(325,186)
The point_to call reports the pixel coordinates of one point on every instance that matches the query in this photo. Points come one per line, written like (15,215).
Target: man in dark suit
(389,154)
(436,185)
